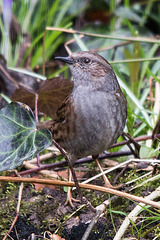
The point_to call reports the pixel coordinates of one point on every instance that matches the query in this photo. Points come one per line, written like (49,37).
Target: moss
(39,209)
(35,207)
(8,204)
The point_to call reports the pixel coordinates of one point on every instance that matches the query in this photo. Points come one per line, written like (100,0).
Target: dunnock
(93,116)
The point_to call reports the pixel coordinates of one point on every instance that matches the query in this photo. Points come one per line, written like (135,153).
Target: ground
(42,209)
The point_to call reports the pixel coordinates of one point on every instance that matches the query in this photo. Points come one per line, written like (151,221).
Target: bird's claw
(70,199)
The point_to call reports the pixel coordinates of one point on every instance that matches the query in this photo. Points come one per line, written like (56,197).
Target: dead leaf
(52,236)
(24,96)
(57,237)
(39,187)
(51,94)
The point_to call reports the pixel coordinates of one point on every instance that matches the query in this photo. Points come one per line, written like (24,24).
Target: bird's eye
(86,60)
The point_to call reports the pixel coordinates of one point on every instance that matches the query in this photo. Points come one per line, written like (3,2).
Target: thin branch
(99,211)
(120,165)
(89,159)
(43,157)
(136,145)
(43,51)
(69,42)
(112,47)
(49,173)
(36,107)
(154,178)
(134,39)
(137,139)
(86,186)
(79,161)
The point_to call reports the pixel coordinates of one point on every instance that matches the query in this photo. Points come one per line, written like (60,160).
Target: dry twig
(99,210)
(86,186)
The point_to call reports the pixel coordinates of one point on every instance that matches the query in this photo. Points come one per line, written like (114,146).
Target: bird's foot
(107,183)
(70,199)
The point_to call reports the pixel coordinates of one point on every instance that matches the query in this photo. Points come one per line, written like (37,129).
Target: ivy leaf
(51,94)
(19,138)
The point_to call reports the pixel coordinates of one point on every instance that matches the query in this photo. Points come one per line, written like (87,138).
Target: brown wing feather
(64,123)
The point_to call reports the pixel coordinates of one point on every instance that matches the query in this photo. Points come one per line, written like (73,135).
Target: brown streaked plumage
(94,115)
(64,125)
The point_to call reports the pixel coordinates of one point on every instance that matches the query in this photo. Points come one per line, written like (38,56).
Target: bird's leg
(83,199)
(69,162)
(69,194)
(107,182)
(75,178)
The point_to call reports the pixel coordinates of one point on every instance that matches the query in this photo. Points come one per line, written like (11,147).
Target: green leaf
(19,138)
(65,189)
(133,98)
(147,152)
(130,119)
(143,120)
(128,13)
(133,68)
(118,212)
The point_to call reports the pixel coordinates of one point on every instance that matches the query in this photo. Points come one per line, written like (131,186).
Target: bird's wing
(64,123)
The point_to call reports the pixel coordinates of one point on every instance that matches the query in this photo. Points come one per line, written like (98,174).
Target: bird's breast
(100,120)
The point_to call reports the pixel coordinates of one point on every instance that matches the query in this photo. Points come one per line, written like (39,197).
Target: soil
(43,212)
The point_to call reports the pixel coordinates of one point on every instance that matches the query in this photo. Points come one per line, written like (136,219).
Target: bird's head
(89,68)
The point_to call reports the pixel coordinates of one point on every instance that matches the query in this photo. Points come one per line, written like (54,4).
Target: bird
(94,115)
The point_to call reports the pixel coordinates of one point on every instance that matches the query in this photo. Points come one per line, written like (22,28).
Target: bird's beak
(65,59)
